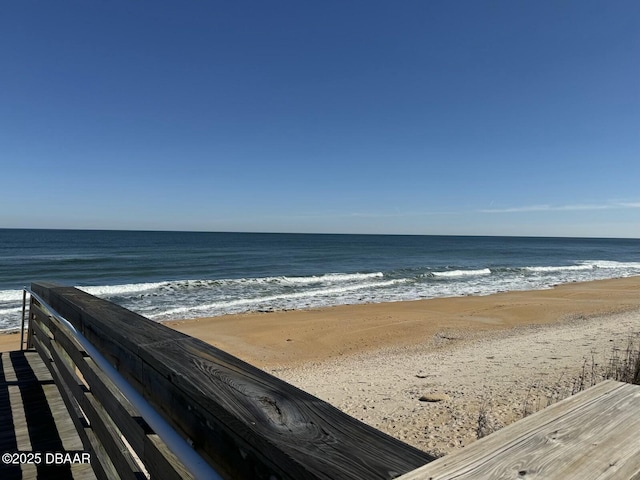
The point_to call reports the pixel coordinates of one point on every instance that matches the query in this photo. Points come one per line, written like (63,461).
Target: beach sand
(504,355)
(495,378)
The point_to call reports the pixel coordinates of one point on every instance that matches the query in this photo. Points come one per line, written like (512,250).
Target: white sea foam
(612,264)
(462,273)
(204,297)
(10,295)
(326,278)
(285,297)
(134,288)
(333,278)
(560,268)
(127,289)
(10,311)
(589,265)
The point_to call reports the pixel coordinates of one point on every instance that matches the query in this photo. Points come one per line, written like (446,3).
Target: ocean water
(172,275)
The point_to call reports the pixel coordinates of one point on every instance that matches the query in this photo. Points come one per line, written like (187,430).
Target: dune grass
(621,364)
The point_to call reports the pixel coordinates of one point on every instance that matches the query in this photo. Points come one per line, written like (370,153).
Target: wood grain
(245,422)
(592,435)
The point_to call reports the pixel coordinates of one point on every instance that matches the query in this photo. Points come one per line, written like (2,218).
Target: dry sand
(505,374)
(503,354)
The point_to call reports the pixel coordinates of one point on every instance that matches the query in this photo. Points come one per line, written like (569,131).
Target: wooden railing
(241,421)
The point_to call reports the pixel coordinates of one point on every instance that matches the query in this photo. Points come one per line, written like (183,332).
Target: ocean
(174,275)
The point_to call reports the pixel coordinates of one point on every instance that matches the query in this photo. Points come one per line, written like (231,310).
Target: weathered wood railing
(242,421)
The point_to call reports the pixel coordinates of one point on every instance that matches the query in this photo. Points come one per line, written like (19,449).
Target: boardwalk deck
(33,418)
(592,435)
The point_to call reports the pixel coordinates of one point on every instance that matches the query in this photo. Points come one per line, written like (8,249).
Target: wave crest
(560,268)
(462,273)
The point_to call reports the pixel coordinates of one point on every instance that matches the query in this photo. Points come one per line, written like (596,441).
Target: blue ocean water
(169,275)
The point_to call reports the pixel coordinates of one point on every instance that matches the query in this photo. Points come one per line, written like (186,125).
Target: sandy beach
(504,355)
(432,398)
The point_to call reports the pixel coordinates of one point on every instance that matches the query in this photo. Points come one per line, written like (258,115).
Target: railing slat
(162,464)
(100,462)
(100,422)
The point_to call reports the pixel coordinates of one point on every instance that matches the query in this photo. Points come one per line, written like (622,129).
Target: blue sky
(416,117)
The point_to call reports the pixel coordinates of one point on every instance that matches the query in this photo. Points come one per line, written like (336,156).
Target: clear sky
(419,117)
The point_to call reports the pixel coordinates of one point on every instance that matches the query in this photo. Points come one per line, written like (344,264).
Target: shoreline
(296,337)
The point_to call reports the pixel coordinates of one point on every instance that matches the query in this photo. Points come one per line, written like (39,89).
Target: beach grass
(622,364)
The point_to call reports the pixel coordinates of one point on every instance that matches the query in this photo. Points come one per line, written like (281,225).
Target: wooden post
(24,309)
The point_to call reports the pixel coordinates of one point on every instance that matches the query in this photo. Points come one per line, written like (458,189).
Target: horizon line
(152,230)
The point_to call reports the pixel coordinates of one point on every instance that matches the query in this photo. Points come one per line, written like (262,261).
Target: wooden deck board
(592,435)
(33,418)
